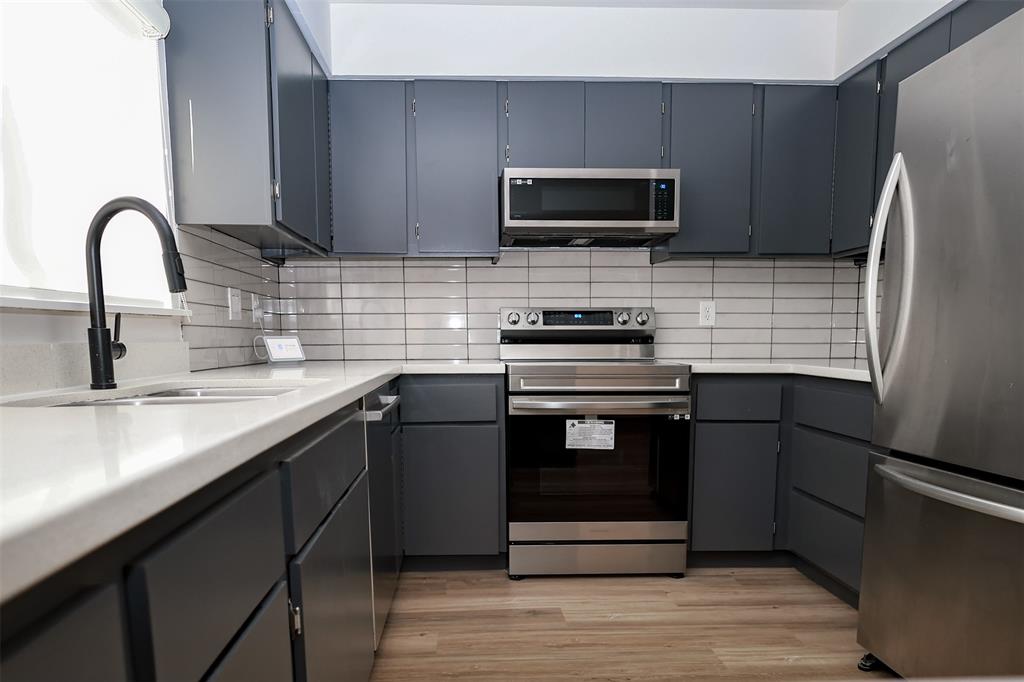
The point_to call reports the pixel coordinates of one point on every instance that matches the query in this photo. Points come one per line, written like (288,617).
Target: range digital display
(582,318)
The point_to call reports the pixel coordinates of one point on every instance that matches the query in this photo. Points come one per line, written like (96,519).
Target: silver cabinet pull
(390,403)
(897,176)
(953,497)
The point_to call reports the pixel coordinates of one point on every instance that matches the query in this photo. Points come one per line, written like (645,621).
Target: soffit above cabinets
(809,41)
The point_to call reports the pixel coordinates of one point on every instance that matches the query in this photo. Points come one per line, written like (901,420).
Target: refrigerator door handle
(897,176)
(954,497)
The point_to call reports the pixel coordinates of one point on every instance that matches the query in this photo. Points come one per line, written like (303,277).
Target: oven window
(644,478)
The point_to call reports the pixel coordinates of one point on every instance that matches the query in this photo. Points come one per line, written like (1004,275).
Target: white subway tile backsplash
(796,310)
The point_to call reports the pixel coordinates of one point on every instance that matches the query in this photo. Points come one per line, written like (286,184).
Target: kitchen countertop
(74,478)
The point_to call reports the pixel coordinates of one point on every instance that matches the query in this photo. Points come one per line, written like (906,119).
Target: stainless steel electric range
(598,444)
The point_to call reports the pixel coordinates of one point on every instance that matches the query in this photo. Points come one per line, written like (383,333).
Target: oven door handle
(666,405)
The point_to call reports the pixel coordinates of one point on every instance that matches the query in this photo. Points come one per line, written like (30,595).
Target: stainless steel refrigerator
(942,590)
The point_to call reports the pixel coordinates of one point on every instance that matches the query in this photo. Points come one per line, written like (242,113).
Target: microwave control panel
(664,199)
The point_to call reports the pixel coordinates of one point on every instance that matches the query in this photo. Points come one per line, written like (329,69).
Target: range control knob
(513,318)
(623,318)
(532,318)
(642,318)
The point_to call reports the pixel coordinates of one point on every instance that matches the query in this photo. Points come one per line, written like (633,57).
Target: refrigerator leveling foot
(868,663)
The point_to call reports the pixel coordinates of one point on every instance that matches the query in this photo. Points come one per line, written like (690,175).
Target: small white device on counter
(283,349)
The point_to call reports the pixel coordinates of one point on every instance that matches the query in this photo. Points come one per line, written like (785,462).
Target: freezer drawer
(942,592)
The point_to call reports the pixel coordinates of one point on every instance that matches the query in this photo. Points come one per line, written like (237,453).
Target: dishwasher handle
(555,405)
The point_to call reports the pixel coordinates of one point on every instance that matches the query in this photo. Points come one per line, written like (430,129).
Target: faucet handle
(118,349)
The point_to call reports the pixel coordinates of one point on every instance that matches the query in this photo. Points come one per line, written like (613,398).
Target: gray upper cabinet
(623,125)
(456,129)
(795,208)
(856,131)
(907,59)
(291,68)
(368,166)
(242,115)
(712,129)
(975,16)
(545,124)
(322,155)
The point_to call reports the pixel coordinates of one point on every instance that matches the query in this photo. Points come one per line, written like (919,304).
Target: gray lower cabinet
(368,166)
(856,132)
(190,595)
(456,130)
(263,650)
(545,124)
(83,641)
(623,125)
(903,61)
(243,123)
(827,538)
(795,205)
(712,137)
(734,486)
(452,489)
(330,582)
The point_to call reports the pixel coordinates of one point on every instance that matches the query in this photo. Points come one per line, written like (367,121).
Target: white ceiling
(831,5)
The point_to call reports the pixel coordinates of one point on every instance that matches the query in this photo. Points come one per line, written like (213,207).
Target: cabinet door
(975,16)
(451,489)
(734,486)
(291,79)
(907,59)
(330,581)
(321,156)
(85,641)
(545,124)
(263,650)
(796,169)
(383,522)
(368,166)
(856,132)
(623,125)
(456,166)
(712,128)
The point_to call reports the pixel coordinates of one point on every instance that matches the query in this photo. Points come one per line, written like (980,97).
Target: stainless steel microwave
(589,206)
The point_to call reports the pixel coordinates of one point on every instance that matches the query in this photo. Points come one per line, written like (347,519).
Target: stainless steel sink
(189,396)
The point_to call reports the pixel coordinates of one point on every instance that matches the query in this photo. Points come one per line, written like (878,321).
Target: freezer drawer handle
(390,403)
(963,500)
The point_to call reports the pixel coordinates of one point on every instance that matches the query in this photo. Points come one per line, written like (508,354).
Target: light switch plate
(257,308)
(234,304)
(707,313)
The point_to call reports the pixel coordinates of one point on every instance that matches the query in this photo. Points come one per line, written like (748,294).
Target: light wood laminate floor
(714,624)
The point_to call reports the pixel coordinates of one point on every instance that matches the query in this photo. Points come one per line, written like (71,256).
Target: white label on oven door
(590,434)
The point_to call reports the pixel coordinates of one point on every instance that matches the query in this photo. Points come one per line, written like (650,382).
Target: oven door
(597,467)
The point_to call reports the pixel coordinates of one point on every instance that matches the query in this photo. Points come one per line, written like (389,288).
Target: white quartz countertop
(74,478)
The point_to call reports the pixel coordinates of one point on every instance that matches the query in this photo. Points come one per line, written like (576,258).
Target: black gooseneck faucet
(102,350)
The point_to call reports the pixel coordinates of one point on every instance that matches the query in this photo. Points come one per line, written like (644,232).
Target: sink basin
(190,396)
(168,393)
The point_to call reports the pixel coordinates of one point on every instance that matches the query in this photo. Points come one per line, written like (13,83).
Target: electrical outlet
(234,304)
(707,313)
(257,308)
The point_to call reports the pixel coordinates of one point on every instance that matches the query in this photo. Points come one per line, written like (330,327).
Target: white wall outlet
(257,308)
(707,313)
(234,304)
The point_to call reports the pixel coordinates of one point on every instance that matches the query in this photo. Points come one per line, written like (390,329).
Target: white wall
(869,28)
(423,40)
(314,19)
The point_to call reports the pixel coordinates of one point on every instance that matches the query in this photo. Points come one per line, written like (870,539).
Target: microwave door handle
(897,177)
(954,497)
